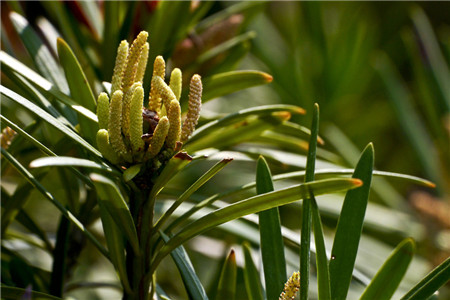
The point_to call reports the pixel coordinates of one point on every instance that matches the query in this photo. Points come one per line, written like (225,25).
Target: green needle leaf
(113,201)
(116,245)
(79,87)
(226,289)
(39,52)
(306,209)
(193,285)
(387,279)
(9,292)
(253,205)
(431,283)
(66,161)
(226,83)
(349,228)
(251,276)
(28,176)
(272,246)
(31,107)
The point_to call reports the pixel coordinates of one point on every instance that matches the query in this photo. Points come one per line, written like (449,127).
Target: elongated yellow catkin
(291,287)
(195,104)
(115,122)
(142,64)
(176,82)
(121,62)
(103,111)
(137,144)
(159,70)
(105,147)
(174,116)
(159,137)
(163,90)
(126,103)
(134,53)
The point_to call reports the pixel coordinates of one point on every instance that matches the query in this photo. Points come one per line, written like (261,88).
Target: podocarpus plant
(124,182)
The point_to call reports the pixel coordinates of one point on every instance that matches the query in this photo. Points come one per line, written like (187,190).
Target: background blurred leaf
(386,281)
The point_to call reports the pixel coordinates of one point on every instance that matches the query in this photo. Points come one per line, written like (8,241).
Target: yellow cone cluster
(128,131)
(291,287)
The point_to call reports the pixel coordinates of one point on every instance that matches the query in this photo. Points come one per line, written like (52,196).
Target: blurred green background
(379,70)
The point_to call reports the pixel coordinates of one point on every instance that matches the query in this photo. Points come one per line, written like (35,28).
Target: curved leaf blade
(28,176)
(349,228)
(116,245)
(430,283)
(272,245)
(39,52)
(39,112)
(113,201)
(66,161)
(10,292)
(226,289)
(251,275)
(387,279)
(253,205)
(194,187)
(193,285)
(229,82)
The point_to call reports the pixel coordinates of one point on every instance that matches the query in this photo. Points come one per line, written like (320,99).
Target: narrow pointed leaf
(431,283)
(190,279)
(79,87)
(323,273)
(349,228)
(194,187)
(230,82)
(242,115)
(115,204)
(10,64)
(31,107)
(251,276)
(272,246)
(116,245)
(28,176)
(9,292)
(66,161)
(226,289)
(253,205)
(39,52)
(305,238)
(387,279)
(237,133)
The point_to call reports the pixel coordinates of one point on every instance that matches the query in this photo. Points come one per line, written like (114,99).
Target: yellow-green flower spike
(137,144)
(176,82)
(163,90)
(291,287)
(174,116)
(115,122)
(119,68)
(142,64)
(159,137)
(195,104)
(103,111)
(126,109)
(159,70)
(132,59)
(105,147)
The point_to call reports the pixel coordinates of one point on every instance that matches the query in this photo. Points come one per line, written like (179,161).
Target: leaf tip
(357,182)
(267,77)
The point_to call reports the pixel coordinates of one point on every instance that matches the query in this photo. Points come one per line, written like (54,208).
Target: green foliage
(65,197)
